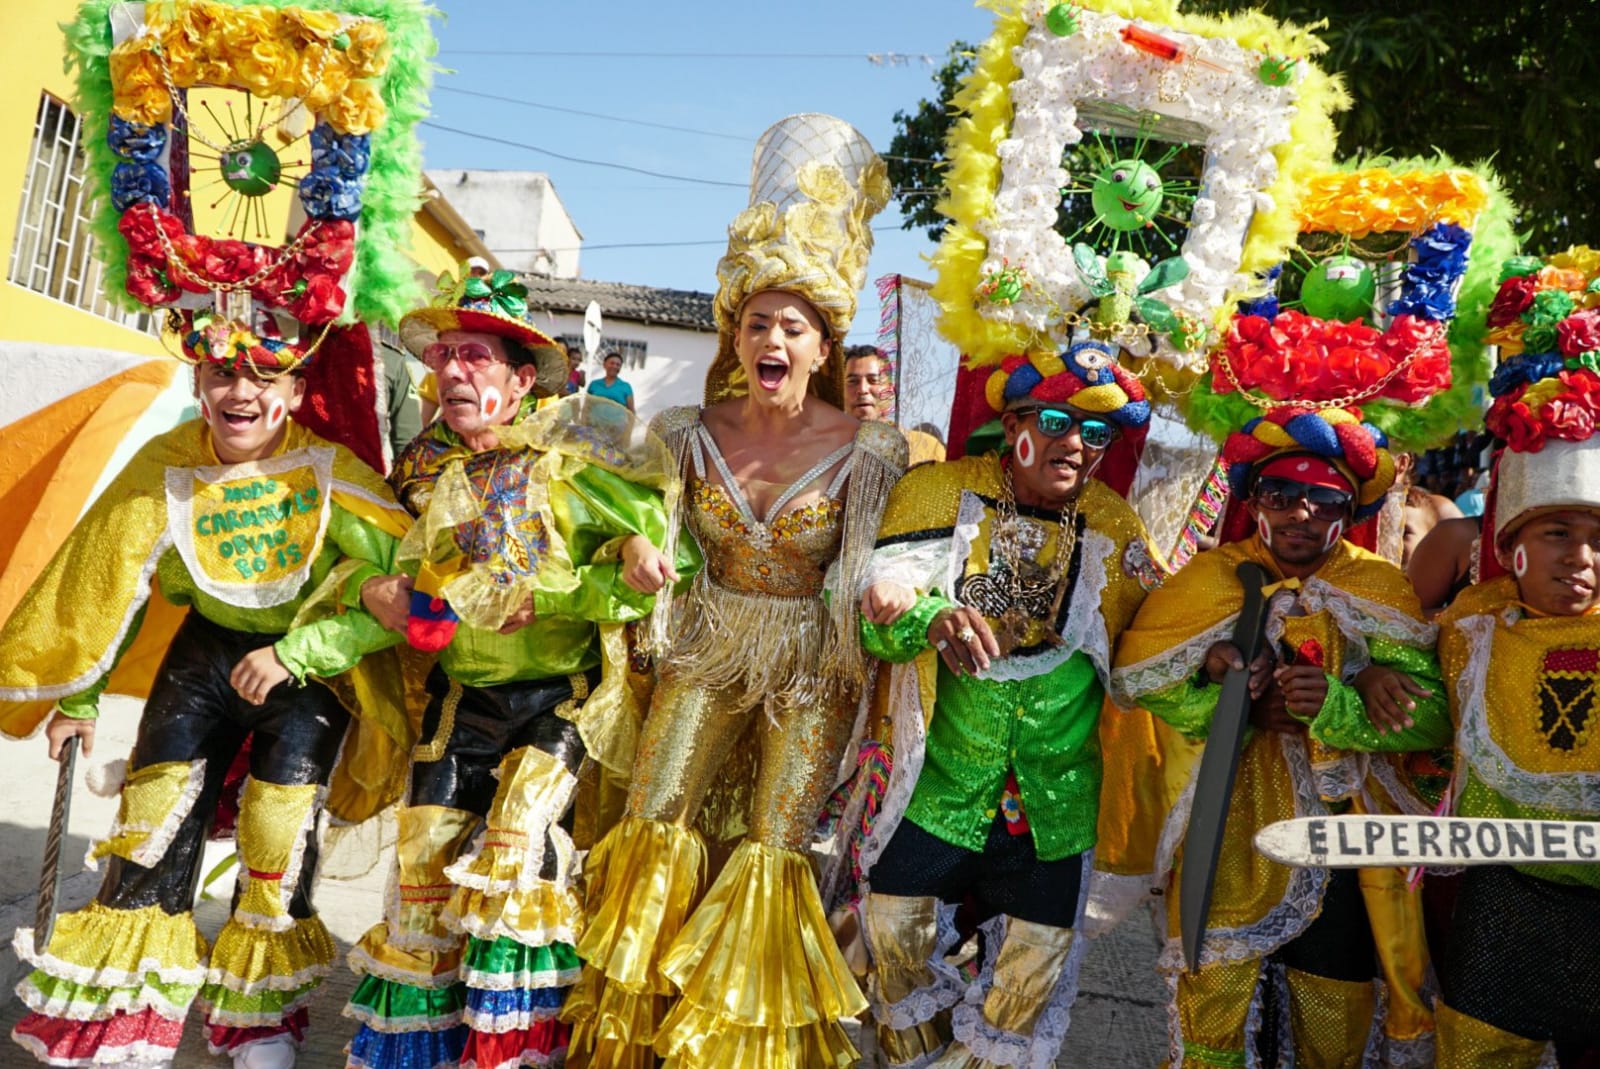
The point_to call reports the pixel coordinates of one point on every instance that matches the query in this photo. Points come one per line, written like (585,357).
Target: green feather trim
(382,282)
(1461,406)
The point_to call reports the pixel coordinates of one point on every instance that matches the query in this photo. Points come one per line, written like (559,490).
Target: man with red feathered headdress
(1343,631)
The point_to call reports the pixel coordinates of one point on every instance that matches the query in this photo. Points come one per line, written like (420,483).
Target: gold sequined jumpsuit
(757,977)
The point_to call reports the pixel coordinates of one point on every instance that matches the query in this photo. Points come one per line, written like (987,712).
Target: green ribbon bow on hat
(505,294)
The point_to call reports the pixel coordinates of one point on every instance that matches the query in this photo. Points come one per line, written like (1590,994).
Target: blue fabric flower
(1529,369)
(347,154)
(139,183)
(327,195)
(1429,288)
(135,141)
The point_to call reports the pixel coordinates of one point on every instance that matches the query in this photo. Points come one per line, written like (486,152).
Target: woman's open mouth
(771,372)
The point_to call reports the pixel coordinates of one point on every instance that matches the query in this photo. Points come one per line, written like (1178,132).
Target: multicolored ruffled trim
(259,977)
(514,994)
(371,1049)
(113,983)
(136,1041)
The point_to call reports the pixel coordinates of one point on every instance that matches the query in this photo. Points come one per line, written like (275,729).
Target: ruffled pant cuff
(259,978)
(644,878)
(762,982)
(114,985)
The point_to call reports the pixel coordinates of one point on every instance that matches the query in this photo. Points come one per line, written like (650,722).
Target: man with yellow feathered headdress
(999,585)
(1344,632)
(536,527)
(240,517)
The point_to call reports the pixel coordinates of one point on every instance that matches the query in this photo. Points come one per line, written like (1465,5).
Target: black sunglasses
(1322,502)
(1056,423)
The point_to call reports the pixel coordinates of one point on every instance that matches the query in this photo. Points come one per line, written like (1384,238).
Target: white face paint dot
(276,414)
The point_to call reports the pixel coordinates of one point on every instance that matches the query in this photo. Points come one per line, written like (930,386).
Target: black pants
(193,714)
(1005,877)
(1524,956)
(488,723)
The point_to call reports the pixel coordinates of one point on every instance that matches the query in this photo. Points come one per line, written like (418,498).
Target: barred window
(633,353)
(53,251)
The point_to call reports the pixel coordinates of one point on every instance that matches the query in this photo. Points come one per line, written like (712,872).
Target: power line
(578,159)
(631,121)
(623,166)
(638,245)
(877,59)
(591,114)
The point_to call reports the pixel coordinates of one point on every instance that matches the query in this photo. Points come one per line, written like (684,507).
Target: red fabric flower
(1579,333)
(330,247)
(1568,415)
(321,302)
(1510,418)
(1515,295)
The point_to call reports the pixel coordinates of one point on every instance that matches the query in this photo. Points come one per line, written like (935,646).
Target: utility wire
(880,59)
(578,159)
(626,167)
(638,245)
(590,114)
(632,121)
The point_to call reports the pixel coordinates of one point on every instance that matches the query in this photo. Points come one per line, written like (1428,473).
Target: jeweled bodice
(790,561)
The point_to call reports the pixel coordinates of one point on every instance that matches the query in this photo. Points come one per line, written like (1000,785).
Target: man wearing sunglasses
(1344,635)
(998,588)
(536,527)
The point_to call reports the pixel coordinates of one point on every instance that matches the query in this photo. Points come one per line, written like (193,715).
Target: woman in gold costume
(783,492)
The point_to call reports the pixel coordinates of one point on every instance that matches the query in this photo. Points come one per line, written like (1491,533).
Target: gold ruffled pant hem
(762,982)
(643,879)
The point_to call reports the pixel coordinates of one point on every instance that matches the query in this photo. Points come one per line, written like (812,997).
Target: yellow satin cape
(67,629)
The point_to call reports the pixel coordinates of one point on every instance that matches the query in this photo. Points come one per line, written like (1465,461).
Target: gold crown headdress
(815,184)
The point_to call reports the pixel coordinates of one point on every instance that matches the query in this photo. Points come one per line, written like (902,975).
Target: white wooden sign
(1360,841)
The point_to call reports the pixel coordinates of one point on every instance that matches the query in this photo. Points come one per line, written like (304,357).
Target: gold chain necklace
(1012,625)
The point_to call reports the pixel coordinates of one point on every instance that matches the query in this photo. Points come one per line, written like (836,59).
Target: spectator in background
(404,405)
(575,378)
(869,393)
(612,387)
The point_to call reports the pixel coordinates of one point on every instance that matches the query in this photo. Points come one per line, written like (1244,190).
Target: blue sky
(764,62)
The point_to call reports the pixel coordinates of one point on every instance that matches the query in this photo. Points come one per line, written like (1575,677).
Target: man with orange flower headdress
(268,535)
(998,587)
(1343,632)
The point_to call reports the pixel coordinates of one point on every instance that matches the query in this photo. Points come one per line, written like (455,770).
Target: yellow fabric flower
(359,111)
(140,90)
(369,49)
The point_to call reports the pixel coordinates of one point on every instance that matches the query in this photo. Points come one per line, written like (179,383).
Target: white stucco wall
(675,368)
(516,212)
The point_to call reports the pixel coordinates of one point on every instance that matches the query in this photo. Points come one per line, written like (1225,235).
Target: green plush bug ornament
(1127,194)
(1121,297)
(251,168)
(1341,287)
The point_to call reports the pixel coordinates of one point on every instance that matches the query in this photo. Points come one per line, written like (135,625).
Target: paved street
(1117,1022)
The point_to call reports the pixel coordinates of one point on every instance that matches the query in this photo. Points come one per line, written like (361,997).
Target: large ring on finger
(942,645)
(967,635)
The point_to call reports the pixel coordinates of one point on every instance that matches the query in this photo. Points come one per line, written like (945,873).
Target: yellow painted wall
(31,54)
(31,51)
